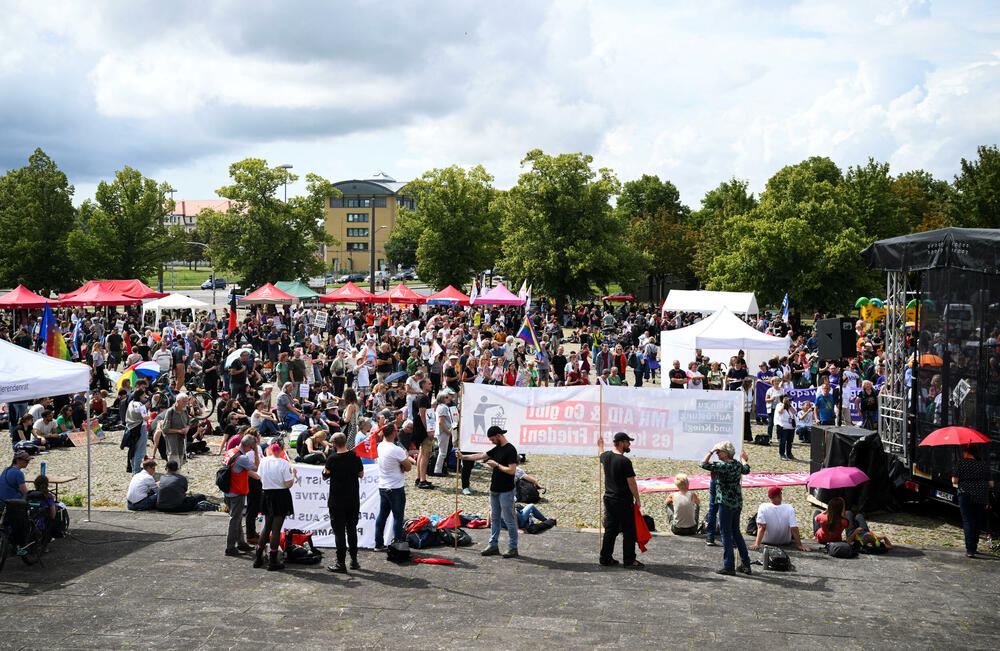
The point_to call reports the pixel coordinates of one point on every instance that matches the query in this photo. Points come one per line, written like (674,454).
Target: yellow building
(361,220)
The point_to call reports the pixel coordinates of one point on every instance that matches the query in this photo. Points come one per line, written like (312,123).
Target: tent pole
(86,431)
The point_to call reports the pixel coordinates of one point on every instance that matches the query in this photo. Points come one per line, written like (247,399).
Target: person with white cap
(728,475)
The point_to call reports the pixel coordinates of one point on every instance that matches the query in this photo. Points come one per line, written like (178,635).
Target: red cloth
(451,522)
(368,449)
(418,524)
(642,534)
(433,561)
(477,524)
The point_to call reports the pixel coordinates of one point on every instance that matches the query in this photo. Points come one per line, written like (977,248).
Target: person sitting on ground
(47,430)
(526,515)
(265,422)
(776,524)
(288,413)
(172,495)
(142,489)
(829,525)
(22,434)
(317,448)
(868,542)
(682,508)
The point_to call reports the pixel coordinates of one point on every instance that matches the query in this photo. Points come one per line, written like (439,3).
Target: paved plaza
(161,581)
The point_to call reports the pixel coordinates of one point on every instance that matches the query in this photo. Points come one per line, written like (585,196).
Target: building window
(357,246)
(357,202)
(380,202)
(357,232)
(336,202)
(357,217)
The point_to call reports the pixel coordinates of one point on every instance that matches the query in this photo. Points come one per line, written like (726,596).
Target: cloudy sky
(696,92)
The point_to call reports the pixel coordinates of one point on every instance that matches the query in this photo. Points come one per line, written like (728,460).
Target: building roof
(382,182)
(191,207)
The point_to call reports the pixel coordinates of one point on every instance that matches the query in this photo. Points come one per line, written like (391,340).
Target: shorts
(427,446)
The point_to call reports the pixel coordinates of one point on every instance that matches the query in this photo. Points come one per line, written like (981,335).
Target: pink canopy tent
(268,295)
(499,295)
(128,288)
(349,293)
(23,298)
(98,294)
(448,296)
(401,295)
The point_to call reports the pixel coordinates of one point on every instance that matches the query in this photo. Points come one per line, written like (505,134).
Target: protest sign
(803,398)
(120,324)
(304,390)
(310,495)
(665,423)
(320,320)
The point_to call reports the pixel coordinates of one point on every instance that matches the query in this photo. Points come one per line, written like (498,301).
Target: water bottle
(43,467)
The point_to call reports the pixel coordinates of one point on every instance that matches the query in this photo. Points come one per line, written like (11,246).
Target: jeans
(713,511)
(146,504)
(525,515)
(235,534)
(729,522)
(502,514)
(139,449)
(619,517)
(253,505)
(267,428)
(972,519)
(785,437)
(804,434)
(391,500)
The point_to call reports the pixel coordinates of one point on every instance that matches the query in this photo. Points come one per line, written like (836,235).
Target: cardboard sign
(304,390)
(320,320)
(120,324)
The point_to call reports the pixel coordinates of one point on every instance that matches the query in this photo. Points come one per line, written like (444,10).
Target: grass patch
(72,500)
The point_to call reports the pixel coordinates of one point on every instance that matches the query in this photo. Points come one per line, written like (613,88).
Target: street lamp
(205,247)
(159,276)
(371,251)
(286,166)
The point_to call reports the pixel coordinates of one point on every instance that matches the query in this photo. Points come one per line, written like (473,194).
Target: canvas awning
(448,296)
(23,298)
(349,293)
(706,302)
(98,294)
(25,375)
(499,295)
(128,288)
(267,295)
(175,302)
(401,295)
(297,289)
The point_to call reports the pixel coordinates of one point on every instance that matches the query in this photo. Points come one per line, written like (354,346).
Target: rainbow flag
(55,345)
(527,333)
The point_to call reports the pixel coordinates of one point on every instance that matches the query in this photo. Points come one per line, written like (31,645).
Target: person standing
(729,495)
(620,493)
(972,477)
(784,417)
(242,469)
(444,431)
(502,458)
(421,414)
(393,462)
(344,469)
(176,422)
(137,436)
(276,479)
(255,488)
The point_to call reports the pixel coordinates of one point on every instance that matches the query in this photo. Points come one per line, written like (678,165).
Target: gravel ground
(571,498)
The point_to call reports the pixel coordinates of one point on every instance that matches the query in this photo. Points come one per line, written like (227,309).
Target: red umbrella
(954,436)
(837,477)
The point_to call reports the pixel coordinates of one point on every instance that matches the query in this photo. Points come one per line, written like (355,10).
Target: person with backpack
(233,478)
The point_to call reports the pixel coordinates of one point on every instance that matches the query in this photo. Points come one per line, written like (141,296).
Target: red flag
(368,449)
(128,342)
(418,524)
(232,321)
(642,535)
(451,522)
(433,561)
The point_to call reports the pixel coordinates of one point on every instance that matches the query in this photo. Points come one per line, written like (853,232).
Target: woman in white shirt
(276,478)
(696,380)
(784,416)
(773,398)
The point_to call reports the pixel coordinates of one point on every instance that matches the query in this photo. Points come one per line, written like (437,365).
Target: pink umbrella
(837,477)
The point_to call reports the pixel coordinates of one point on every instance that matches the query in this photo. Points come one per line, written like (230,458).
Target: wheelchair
(24,530)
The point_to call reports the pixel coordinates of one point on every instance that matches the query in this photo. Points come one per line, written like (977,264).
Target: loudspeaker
(836,338)
(817,450)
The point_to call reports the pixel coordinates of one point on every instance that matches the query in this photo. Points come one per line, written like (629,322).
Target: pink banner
(699,482)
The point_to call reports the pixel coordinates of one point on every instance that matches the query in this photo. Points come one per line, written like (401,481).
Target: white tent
(682,300)
(175,302)
(720,337)
(25,374)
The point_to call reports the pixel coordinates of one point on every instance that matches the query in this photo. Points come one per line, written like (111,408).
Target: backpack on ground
(398,551)
(224,475)
(299,547)
(777,560)
(447,537)
(526,492)
(752,525)
(762,439)
(841,550)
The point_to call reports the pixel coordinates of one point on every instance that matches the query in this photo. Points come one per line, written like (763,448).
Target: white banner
(665,423)
(310,495)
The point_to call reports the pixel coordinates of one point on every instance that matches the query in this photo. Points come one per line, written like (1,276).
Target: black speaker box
(836,338)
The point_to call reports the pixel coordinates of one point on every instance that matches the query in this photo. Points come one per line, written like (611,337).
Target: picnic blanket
(697,482)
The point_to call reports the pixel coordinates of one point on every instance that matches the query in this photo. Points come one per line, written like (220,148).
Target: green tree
(868,190)
(647,195)
(926,203)
(401,247)
(260,239)
(978,187)
(123,234)
(455,231)
(666,243)
(560,232)
(37,219)
(730,198)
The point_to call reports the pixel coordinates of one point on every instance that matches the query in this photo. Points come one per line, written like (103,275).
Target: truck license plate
(944,496)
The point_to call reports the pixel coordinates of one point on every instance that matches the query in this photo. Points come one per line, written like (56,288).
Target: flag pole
(458,462)
(600,490)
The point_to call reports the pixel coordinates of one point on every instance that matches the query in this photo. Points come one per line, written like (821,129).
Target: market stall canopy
(499,295)
(683,300)
(720,336)
(297,289)
(448,296)
(25,375)
(127,288)
(23,298)
(971,249)
(98,294)
(175,302)
(349,293)
(401,295)
(268,295)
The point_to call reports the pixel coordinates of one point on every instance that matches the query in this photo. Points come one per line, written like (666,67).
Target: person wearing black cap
(502,458)
(620,492)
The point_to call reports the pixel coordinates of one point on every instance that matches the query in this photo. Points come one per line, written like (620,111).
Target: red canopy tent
(128,288)
(448,296)
(499,295)
(98,295)
(349,293)
(268,294)
(23,298)
(401,295)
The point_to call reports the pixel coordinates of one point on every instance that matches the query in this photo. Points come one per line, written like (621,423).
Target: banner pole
(458,462)
(600,489)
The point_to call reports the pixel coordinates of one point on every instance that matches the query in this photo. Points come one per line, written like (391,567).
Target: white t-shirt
(274,472)
(779,518)
(45,429)
(785,417)
(140,487)
(390,474)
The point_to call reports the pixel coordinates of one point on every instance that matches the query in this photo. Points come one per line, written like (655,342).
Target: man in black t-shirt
(502,458)
(422,412)
(736,374)
(678,376)
(620,492)
(344,469)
